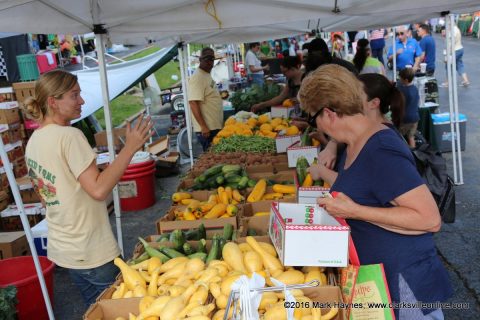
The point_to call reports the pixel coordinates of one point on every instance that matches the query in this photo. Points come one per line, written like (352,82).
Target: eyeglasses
(400,33)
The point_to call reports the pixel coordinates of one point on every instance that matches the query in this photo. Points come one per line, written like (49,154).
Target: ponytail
(397,106)
(361,56)
(32,110)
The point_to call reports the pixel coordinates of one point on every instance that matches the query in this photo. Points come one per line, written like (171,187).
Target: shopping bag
(365,288)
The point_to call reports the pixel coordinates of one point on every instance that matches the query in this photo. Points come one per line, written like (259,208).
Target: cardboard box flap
(24,183)
(112,309)
(159,146)
(296,216)
(7,237)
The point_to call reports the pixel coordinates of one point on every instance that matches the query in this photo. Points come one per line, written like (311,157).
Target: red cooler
(137,185)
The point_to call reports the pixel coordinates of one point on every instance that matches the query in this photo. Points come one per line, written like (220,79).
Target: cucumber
(187,249)
(234,178)
(172,253)
(202,246)
(200,255)
(231,168)
(242,184)
(213,253)
(227,231)
(178,239)
(251,183)
(216,169)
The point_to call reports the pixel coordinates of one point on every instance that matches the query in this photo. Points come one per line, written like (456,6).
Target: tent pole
(100,47)
(394,54)
(80,41)
(26,227)
(181,60)
(456,115)
(345,44)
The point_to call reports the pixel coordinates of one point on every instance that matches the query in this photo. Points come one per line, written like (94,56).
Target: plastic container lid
(140,156)
(40,230)
(441,118)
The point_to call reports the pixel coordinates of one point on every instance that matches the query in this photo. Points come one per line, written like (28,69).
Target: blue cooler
(442,131)
(39,233)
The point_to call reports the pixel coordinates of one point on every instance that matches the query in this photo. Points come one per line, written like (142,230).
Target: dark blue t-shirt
(412,100)
(428,46)
(384,170)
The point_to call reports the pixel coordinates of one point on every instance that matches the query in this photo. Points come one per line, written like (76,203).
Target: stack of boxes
(14,135)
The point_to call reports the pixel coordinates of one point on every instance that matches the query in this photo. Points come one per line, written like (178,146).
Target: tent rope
(212,11)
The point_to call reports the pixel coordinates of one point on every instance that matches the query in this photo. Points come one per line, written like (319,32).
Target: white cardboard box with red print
(283,142)
(295,151)
(306,235)
(309,195)
(281,112)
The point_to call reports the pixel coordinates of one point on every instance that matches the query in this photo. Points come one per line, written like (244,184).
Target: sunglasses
(400,33)
(312,121)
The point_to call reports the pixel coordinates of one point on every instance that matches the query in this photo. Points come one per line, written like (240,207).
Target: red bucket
(20,272)
(137,186)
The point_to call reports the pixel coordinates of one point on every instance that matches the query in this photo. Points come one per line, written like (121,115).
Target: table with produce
(236,224)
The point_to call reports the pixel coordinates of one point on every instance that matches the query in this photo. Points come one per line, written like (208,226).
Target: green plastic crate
(27,64)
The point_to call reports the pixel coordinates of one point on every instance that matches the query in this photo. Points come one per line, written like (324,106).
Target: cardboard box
(186,184)
(159,146)
(323,296)
(283,142)
(108,292)
(7,94)
(27,191)
(257,223)
(20,168)
(10,217)
(24,90)
(309,195)
(118,136)
(168,223)
(9,112)
(281,112)
(4,200)
(306,235)
(13,244)
(112,309)
(295,151)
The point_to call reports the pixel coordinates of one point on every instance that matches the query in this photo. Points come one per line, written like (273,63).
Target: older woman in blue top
(390,210)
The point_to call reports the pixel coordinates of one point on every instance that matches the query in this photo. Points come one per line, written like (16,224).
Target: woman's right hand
(139,134)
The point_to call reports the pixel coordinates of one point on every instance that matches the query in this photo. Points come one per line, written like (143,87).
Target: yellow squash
(131,277)
(258,191)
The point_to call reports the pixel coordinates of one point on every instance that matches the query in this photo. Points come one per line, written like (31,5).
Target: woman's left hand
(341,206)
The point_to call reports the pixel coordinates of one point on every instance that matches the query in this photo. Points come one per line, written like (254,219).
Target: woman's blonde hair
(332,86)
(51,84)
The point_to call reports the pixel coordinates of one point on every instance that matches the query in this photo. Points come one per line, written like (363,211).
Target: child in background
(412,98)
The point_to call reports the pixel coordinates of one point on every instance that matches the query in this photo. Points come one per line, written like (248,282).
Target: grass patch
(120,108)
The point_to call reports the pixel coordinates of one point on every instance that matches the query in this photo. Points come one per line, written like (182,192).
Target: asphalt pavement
(458,244)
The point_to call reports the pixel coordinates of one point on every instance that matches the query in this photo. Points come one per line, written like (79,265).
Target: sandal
(465,83)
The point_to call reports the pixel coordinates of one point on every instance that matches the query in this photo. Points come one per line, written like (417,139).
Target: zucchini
(227,231)
(232,185)
(213,253)
(220,180)
(178,239)
(251,232)
(211,183)
(144,256)
(234,235)
(172,253)
(164,237)
(231,168)
(200,255)
(152,252)
(187,249)
(251,183)
(202,232)
(234,178)
(201,178)
(306,140)
(202,246)
(192,234)
(221,243)
(242,184)
(216,169)
(301,168)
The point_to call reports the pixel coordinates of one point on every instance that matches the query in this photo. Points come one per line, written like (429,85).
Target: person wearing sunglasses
(205,100)
(391,213)
(408,51)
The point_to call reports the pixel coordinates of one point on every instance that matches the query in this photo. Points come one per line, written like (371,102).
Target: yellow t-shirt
(201,87)
(79,232)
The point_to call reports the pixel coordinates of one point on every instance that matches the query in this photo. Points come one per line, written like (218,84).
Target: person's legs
(461,67)
(257,79)
(92,282)
(206,142)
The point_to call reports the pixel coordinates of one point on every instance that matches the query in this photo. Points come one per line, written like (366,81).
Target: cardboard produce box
(26,190)
(4,200)
(325,297)
(9,112)
(281,112)
(118,139)
(112,309)
(309,195)
(108,292)
(257,223)
(295,151)
(283,142)
(23,90)
(168,223)
(13,244)
(306,235)
(11,218)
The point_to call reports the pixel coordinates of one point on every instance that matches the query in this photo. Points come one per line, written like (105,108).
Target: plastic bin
(137,185)
(442,133)
(27,64)
(39,233)
(20,272)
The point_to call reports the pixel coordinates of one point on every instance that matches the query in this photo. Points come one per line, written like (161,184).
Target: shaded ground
(458,243)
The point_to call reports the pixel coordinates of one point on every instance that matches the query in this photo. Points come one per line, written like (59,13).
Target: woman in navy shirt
(390,210)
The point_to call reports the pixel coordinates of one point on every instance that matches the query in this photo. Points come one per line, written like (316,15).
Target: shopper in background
(205,101)
(408,128)
(363,60)
(377,43)
(390,211)
(458,56)
(338,46)
(62,166)
(290,67)
(254,65)
(427,43)
(408,51)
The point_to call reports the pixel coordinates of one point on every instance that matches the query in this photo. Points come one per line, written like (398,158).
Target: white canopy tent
(206,21)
